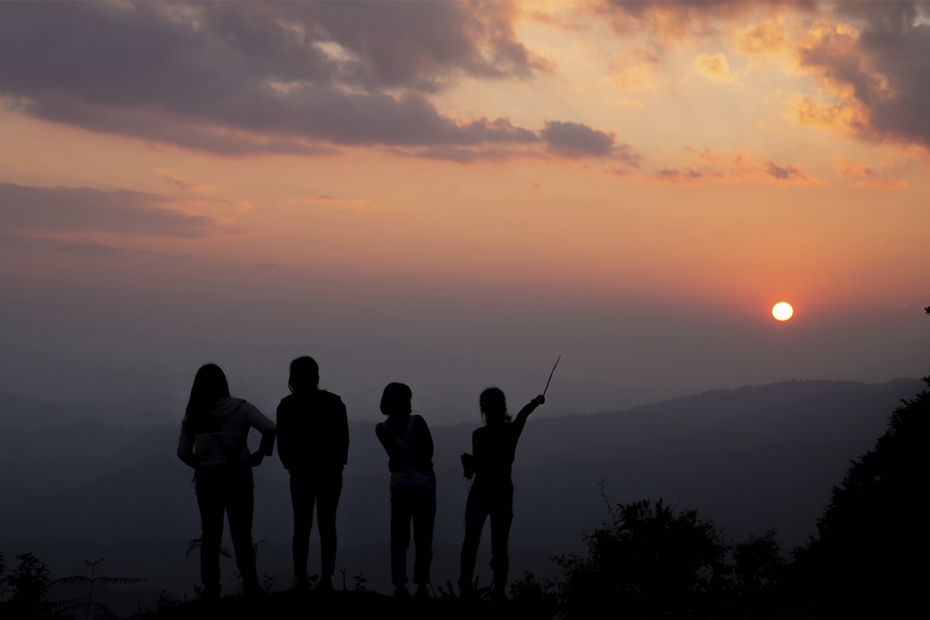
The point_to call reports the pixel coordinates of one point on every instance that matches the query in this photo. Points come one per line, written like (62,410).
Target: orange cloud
(714,67)
(883,184)
(767,37)
(845,118)
(847,169)
(870,71)
(733,169)
(632,81)
(618,172)
(671,23)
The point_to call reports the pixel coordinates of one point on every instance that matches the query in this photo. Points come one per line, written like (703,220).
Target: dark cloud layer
(67,209)
(577,141)
(889,69)
(87,249)
(239,78)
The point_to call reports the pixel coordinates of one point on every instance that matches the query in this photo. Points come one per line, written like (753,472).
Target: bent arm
(186,447)
(427,440)
(266,427)
(284,437)
(387,442)
(343,433)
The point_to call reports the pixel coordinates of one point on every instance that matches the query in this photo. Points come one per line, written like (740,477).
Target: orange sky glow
(573,157)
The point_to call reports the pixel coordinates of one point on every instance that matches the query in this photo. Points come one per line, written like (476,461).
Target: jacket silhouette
(313,444)
(409,445)
(214,441)
(494,447)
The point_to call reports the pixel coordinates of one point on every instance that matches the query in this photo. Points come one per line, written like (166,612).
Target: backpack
(410,476)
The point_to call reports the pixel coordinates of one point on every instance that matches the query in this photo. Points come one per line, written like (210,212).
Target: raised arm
(529,408)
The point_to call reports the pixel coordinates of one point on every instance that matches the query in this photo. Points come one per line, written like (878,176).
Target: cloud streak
(734,169)
(847,169)
(83,209)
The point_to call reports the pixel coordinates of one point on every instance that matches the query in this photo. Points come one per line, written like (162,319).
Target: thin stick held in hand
(550,375)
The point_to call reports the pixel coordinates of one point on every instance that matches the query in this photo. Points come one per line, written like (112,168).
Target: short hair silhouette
(210,385)
(396,399)
(304,375)
(493,405)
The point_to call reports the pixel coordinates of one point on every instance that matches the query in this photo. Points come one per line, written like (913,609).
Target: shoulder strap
(405,442)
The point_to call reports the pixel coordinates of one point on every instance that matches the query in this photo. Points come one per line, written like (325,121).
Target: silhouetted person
(214,436)
(494,446)
(407,440)
(313,443)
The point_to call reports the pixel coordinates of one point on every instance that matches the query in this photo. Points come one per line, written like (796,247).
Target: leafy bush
(532,598)
(758,566)
(645,559)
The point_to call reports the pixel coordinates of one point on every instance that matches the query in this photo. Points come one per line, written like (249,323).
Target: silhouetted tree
(758,566)
(29,583)
(872,552)
(646,559)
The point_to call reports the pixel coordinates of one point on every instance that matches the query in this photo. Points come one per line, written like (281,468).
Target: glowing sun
(782,311)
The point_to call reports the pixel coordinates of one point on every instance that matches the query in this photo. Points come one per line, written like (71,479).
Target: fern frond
(102,612)
(73,580)
(56,607)
(119,581)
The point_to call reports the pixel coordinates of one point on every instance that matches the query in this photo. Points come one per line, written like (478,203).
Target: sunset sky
(632,185)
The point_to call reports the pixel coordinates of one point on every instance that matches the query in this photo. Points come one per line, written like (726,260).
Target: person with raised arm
(493,448)
(409,445)
(214,441)
(313,443)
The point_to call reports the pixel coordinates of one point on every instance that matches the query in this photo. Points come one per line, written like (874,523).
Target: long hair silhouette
(210,385)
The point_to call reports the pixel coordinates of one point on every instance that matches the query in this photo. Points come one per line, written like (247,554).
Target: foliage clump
(872,550)
(645,559)
(28,583)
(757,568)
